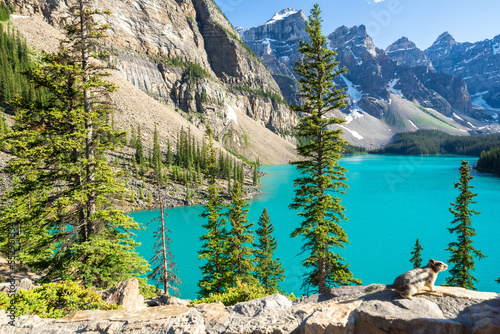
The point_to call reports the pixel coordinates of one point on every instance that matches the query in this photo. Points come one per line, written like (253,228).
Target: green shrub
(147,290)
(241,293)
(4,300)
(56,300)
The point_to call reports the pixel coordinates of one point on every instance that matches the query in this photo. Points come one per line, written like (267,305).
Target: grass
(262,93)
(433,116)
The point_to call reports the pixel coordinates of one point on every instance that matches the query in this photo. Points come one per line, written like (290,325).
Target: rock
(332,317)
(213,313)
(171,300)
(387,312)
(127,294)
(26,284)
(342,310)
(262,305)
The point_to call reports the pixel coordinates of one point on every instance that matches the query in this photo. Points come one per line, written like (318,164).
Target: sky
(422,21)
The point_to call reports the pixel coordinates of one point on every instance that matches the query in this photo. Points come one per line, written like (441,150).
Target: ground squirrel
(414,281)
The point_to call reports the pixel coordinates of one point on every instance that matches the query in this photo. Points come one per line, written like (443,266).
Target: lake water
(392,201)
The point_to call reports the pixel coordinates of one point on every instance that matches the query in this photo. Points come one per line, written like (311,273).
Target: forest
(432,142)
(489,161)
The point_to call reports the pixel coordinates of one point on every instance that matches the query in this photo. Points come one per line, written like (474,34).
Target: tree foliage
(268,271)
(321,176)
(417,256)
(462,251)
(214,248)
(239,239)
(429,142)
(60,203)
(489,161)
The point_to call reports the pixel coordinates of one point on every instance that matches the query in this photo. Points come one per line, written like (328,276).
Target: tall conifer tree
(321,175)
(61,201)
(240,239)
(462,251)
(164,271)
(268,271)
(215,270)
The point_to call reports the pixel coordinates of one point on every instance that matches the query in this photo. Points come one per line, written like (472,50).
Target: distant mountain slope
(185,55)
(395,90)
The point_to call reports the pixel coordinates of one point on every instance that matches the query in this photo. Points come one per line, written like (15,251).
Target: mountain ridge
(394,90)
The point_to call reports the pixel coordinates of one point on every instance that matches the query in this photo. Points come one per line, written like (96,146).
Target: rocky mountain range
(450,86)
(183,61)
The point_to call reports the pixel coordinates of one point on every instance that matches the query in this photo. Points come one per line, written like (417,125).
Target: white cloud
(372,1)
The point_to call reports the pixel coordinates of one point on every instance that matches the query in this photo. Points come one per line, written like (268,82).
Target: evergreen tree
(61,203)
(268,271)
(139,148)
(255,179)
(240,239)
(462,251)
(170,155)
(215,271)
(164,271)
(417,257)
(321,174)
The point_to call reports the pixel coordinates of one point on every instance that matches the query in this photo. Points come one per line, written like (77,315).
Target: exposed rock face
(153,43)
(477,63)
(127,295)
(406,53)
(342,310)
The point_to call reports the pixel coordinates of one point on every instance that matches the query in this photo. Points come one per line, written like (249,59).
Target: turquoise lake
(392,201)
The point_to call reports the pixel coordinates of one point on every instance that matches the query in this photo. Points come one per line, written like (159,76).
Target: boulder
(266,304)
(127,295)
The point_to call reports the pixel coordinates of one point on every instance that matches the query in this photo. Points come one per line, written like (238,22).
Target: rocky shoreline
(341,310)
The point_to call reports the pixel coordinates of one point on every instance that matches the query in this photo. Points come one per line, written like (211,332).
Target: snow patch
(352,90)
(472,125)
(352,132)
(267,41)
(355,114)
(413,124)
(457,117)
(496,48)
(285,58)
(231,114)
(477,100)
(281,15)
(495,116)
(19,16)
(393,90)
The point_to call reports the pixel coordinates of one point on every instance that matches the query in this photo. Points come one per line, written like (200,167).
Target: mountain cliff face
(185,54)
(392,90)
(477,63)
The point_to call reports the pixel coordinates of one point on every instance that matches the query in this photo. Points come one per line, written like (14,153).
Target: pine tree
(255,179)
(417,257)
(164,271)
(61,202)
(215,271)
(170,155)
(240,239)
(268,271)
(139,148)
(321,174)
(462,251)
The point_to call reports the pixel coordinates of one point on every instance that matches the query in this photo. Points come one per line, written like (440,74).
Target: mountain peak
(282,14)
(445,38)
(401,44)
